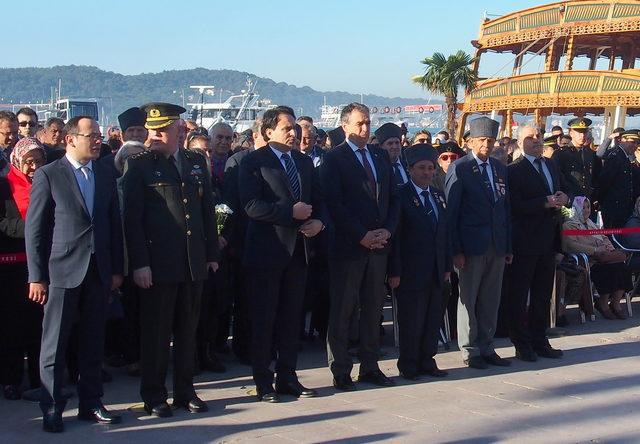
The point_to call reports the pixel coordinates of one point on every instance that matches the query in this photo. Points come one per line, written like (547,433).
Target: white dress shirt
(431,199)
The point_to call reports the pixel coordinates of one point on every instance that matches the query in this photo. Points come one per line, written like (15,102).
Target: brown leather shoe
(618,312)
(605,312)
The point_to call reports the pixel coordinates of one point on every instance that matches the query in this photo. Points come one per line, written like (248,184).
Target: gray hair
(524,126)
(347,110)
(218,126)
(306,125)
(51,120)
(127,150)
(255,128)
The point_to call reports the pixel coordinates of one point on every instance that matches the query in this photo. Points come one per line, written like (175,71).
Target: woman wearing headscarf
(609,273)
(20,319)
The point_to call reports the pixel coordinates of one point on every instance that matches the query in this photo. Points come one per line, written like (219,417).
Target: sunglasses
(28,123)
(446,157)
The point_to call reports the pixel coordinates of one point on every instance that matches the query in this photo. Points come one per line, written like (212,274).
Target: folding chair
(583,259)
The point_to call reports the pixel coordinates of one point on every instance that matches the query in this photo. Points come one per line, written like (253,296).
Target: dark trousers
(131,324)
(85,306)
(277,297)
(419,320)
(241,311)
(166,309)
(530,275)
(357,283)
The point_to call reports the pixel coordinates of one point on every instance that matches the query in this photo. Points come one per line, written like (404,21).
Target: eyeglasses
(28,123)
(92,136)
(446,157)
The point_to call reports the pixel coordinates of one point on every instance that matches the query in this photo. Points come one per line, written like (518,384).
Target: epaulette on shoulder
(141,155)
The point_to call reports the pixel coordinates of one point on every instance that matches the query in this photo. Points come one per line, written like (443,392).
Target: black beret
(387,131)
(336,136)
(132,117)
(420,151)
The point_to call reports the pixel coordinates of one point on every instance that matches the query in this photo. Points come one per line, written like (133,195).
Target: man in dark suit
(535,190)
(478,211)
(419,264)
(388,137)
(361,196)
(172,241)
(283,204)
(616,181)
(75,256)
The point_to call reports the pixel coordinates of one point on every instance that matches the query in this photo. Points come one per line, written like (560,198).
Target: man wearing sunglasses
(27,122)
(444,160)
(615,182)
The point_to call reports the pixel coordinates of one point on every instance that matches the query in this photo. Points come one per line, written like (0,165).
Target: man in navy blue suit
(419,264)
(75,256)
(478,211)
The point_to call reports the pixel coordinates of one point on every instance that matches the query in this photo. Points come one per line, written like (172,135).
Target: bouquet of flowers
(222,213)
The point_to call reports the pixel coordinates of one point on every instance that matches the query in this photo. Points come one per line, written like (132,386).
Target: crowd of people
(164,239)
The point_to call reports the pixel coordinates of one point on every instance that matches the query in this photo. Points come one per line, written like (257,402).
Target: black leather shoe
(161,410)
(434,371)
(194,405)
(409,376)
(376,377)
(295,389)
(99,414)
(344,383)
(496,360)
(11,392)
(526,354)
(476,362)
(549,352)
(267,394)
(52,423)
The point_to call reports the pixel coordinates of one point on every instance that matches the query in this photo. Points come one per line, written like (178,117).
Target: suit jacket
(354,208)
(236,225)
(536,228)
(616,187)
(420,251)
(580,169)
(476,220)
(169,217)
(267,198)
(60,232)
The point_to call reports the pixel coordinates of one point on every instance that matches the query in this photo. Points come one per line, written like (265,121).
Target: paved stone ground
(592,395)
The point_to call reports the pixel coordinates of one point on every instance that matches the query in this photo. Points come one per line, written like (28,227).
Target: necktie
(398,174)
(487,181)
(174,162)
(292,174)
(431,212)
(368,170)
(86,187)
(538,163)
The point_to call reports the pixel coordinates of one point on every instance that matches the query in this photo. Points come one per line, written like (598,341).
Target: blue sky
(362,46)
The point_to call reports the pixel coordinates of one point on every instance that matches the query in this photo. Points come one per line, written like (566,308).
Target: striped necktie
(292,174)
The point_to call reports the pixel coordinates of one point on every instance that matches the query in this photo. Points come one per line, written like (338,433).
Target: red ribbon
(13,258)
(602,231)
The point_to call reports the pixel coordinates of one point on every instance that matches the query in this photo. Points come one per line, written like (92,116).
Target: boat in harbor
(238,110)
(429,115)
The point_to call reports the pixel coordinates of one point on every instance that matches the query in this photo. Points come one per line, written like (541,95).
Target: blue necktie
(86,188)
(292,174)
(487,181)
(431,212)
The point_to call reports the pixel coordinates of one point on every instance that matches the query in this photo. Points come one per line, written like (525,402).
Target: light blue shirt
(280,154)
(431,199)
(359,157)
(86,182)
(489,169)
(545,169)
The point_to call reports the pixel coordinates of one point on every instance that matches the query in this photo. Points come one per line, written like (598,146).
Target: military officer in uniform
(172,241)
(577,162)
(550,146)
(615,182)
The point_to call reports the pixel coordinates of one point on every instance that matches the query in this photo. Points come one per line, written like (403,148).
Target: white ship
(239,111)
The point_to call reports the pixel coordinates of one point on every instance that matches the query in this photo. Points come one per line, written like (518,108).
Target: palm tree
(446,76)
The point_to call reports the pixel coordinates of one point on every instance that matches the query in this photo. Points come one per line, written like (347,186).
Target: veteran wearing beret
(577,162)
(616,181)
(171,238)
(389,138)
(478,212)
(419,264)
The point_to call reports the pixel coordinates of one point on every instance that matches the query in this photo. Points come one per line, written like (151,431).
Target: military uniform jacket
(615,187)
(169,217)
(579,168)
(420,250)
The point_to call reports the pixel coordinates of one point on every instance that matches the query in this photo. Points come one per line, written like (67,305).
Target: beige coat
(583,244)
